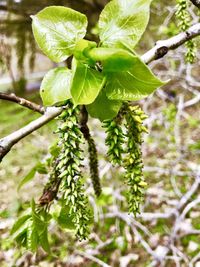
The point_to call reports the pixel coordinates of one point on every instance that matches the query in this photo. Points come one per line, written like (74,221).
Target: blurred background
(167,232)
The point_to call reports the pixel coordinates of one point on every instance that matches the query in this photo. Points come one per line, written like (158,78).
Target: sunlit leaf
(18,224)
(32,237)
(132,85)
(27,178)
(123,21)
(57,29)
(103,108)
(44,242)
(86,83)
(113,59)
(55,86)
(39,167)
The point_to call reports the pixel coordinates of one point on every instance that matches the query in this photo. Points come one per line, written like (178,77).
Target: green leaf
(22,229)
(27,178)
(32,237)
(103,108)
(57,29)
(123,21)
(39,167)
(113,59)
(55,86)
(44,242)
(20,235)
(81,48)
(31,230)
(18,224)
(86,84)
(40,226)
(21,239)
(132,85)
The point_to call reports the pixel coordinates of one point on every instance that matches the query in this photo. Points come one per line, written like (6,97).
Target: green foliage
(111,64)
(86,83)
(57,30)
(55,85)
(113,59)
(82,48)
(103,108)
(31,230)
(122,22)
(40,168)
(65,219)
(135,84)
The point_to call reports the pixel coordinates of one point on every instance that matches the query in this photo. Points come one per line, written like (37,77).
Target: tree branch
(9,141)
(23,102)
(196,3)
(160,50)
(162,47)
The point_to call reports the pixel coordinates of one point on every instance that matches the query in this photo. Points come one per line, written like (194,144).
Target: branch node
(161,52)
(3,152)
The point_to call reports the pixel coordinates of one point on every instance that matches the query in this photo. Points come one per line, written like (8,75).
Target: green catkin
(69,168)
(92,150)
(93,162)
(184,23)
(191,53)
(133,162)
(114,140)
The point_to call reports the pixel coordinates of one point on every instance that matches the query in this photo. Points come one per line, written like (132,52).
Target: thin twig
(196,3)
(162,47)
(23,102)
(130,222)
(9,141)
(92,258)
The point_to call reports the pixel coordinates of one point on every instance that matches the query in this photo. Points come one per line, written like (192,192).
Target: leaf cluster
(103,74)
(31,230)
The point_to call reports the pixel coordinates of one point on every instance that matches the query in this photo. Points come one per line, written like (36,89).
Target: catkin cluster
(124,149)
(93,164)
(133,162)
(114,140)
(124,140)
(69,168)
